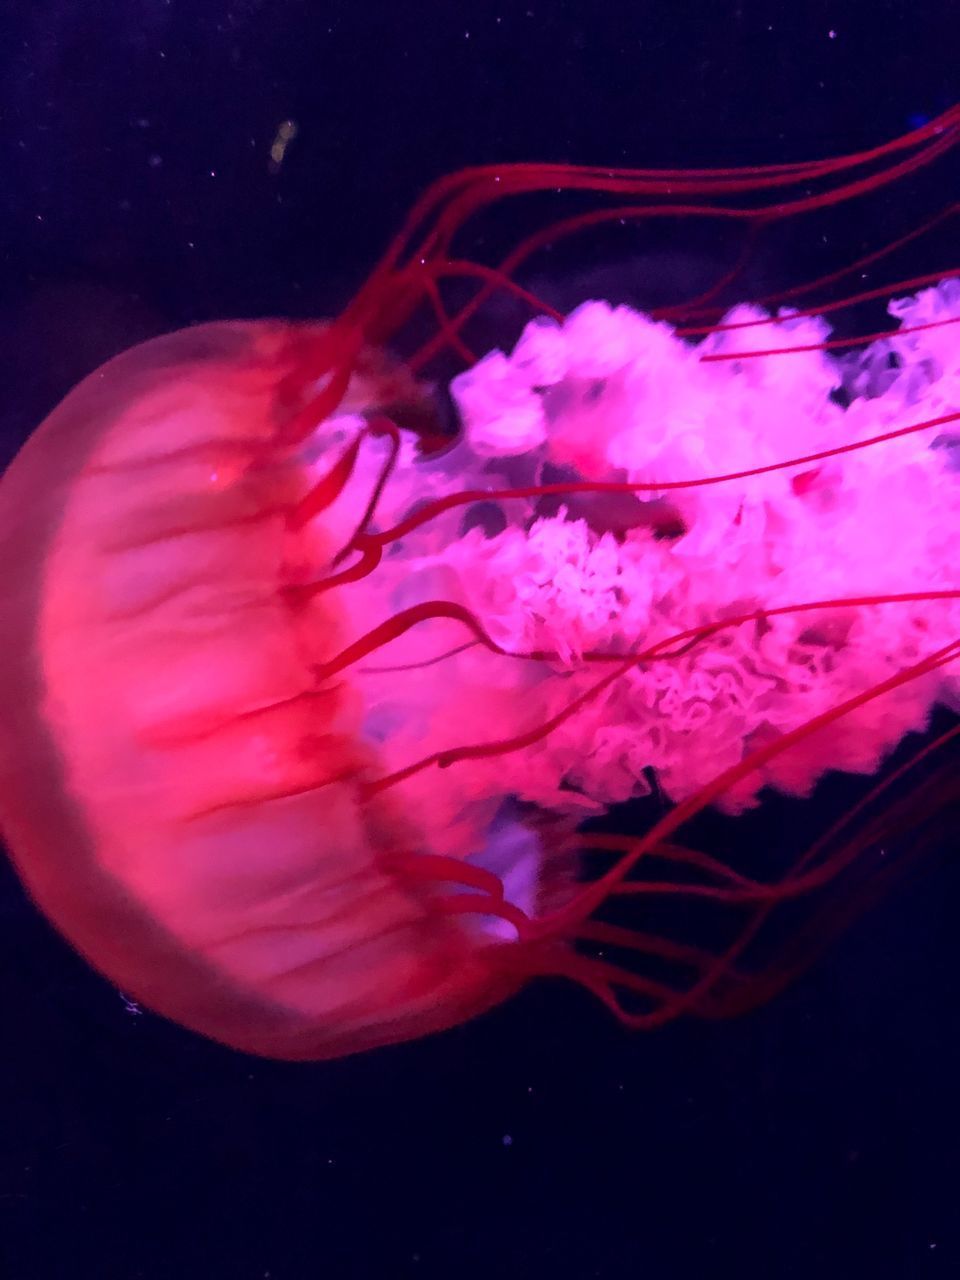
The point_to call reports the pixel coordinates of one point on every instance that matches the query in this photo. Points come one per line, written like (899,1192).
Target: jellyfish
(312,704)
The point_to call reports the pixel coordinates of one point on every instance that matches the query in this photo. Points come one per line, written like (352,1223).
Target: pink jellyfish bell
(300,713)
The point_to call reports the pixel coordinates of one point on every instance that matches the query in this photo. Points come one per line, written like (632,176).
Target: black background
(818,1136)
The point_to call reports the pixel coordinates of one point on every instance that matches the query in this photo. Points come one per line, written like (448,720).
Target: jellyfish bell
(172,768)
(301,712)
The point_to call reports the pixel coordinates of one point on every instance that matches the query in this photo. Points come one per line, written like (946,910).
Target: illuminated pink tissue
(612,395)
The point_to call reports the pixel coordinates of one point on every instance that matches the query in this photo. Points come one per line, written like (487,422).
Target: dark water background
(819,1137)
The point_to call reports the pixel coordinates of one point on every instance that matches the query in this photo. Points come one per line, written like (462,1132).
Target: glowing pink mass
(304,702)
